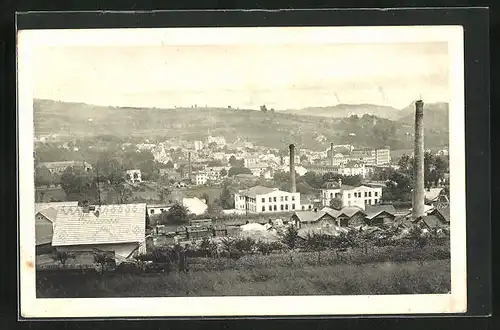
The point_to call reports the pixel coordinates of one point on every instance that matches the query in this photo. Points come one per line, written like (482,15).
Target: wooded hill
(271,129)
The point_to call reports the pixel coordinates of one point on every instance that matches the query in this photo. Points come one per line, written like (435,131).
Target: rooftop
(121,223)
(257,190)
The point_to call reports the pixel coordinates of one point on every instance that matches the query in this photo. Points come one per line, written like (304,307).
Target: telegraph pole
(98,187)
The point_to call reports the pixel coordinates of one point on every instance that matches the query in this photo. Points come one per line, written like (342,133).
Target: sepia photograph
(242,171)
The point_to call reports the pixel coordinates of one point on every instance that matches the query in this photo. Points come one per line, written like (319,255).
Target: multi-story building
(351,196)
(219,140)
(59,167)
(383,156)
(261,199)
(322,169)
(198,145)
(372,156)
(249,161)
(133,176)
(200,178)
(353,168)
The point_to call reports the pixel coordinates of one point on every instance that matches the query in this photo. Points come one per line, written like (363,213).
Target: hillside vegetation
(270,129)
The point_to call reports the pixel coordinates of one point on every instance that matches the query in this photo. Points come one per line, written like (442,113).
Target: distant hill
(436,115)
(275,130)
(346,110)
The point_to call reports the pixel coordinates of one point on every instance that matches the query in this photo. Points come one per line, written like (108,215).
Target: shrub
(245,245)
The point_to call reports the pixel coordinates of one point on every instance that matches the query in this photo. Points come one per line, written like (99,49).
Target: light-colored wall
(282,198)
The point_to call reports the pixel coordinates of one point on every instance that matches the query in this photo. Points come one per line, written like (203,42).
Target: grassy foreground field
(277,274)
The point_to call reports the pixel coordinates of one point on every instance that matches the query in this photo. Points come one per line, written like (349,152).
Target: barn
(377,215)
(45,217)
(117,229)
(312,219)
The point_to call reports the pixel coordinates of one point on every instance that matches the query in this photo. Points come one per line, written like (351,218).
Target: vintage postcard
(241,171)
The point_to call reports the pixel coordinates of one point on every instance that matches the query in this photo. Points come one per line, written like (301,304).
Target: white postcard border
(30,306)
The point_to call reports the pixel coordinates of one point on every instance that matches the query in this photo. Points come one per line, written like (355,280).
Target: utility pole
(98,187)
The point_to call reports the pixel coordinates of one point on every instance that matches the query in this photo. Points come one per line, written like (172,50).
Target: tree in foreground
(177,214)
(290,237)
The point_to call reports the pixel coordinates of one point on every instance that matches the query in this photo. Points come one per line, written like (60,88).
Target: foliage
(124,192)
(290,237)
(238,170)
(336,203)
(62,256)
(43,177)
(79,185)
(177,214)
(223,172)
(245,245)
(226,198)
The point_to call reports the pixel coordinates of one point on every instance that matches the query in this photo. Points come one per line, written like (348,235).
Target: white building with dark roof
(261,199)
(351,196)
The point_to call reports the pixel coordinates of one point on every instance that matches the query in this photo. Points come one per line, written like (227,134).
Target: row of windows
(274,199)
(356,194)
(283,207)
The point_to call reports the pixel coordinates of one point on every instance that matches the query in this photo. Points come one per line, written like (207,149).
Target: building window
(263,200)
(376,193)
(275,208)
(281,198)
(274,199)
(286,206)
(270,199)
(349,195)
(370,201)
(293,198)
(293,206)
(369,194)
(286,198)
(375,201)
(263,208)
(331,195)
(366,194)
(152,211)
(270,208)
(282,207)
(303,207)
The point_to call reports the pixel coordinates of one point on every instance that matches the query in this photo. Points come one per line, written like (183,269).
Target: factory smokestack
(292,168)
(331,154)
(189,166)
(418,169)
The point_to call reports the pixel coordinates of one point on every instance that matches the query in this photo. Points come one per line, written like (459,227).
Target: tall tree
(177,214)
(124,192)
(43,177)
(226,198)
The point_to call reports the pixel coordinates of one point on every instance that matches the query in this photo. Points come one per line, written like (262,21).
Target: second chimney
(189,166)
(331,154)
(292,169)
(418,188)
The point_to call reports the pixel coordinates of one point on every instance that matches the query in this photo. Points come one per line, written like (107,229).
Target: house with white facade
(261,199)
(353,168)
(133,176)
(351,196)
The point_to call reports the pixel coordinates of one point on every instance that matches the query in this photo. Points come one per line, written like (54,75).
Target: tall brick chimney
(292,169)
(418,169)
(331,154)
(189,166)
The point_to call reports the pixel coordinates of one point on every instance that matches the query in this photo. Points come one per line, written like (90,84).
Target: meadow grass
(276,274)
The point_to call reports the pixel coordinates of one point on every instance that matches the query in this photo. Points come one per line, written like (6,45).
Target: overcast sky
(245,76)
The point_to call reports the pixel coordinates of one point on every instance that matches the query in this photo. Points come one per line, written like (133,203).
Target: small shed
(437,219)
(380,215)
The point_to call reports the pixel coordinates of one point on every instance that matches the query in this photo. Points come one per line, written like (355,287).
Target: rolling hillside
(346,110)
(267,129)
